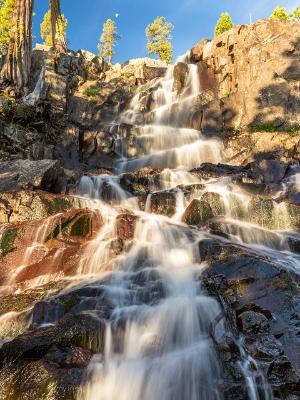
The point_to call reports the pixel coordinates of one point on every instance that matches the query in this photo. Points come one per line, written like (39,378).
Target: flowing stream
(160,339)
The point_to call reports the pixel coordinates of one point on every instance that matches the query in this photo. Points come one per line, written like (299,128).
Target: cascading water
(158,342)
(162,328)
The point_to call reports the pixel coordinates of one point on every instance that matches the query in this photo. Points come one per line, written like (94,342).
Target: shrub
(91,92)
(265,127)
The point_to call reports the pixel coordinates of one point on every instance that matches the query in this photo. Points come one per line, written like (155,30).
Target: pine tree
(296,13)
(6,15)
(46,29)
(224,24)
(108,40)
(17,64)
(159,39)
(58,40)
(280,13)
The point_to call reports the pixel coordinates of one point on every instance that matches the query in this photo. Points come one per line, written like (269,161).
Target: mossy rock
(200,211)
(81,225)
(7,241)
(78,225)
(58,205)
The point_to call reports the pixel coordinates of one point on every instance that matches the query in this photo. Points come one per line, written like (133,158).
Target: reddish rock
(253,81)
(126,226)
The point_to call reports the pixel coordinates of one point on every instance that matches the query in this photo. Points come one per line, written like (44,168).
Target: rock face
(251,76)
(26,174)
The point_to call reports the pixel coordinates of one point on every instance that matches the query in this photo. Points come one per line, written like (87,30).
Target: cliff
(251,76)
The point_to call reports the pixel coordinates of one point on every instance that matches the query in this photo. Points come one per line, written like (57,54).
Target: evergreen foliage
(296,13)
(159,39)
(46,28)
(6,17)
(108,40)
(280,13)
(224,24)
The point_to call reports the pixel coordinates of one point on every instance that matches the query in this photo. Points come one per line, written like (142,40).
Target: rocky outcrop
(251,76)
(26,174)
(260,300)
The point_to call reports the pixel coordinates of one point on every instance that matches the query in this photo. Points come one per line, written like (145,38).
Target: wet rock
(24,174)
(78,300)
(83,330)
(51,361)
(125,226)
(142,181)
(60,238)
(200,211)
(253,322)
(261,300)
(29,205)
(209,171)
(180,75)
(163,203)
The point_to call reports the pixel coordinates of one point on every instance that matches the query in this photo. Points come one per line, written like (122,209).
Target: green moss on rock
(7,240)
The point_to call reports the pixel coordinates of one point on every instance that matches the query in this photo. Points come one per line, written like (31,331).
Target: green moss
(91,92)
(7,241)
(266,127)
(79,226)
(292,130)
(127,75)
(59,205)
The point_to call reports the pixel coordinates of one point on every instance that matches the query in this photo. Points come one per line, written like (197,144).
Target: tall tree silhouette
(17,64)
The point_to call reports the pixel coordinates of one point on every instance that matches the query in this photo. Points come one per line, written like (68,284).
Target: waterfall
(158,342)
(161,329)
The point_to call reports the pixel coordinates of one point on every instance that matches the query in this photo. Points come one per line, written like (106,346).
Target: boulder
(27,205)
(200,211)
(180,75)
(141,181)
(31,175)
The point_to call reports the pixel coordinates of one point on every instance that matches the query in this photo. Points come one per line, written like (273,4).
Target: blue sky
(193,20)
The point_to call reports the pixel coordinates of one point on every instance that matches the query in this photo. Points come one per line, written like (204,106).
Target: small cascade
(158,341)
(166,142)
(167,330)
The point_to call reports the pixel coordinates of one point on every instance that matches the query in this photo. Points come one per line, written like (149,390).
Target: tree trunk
(17,64)
(58,41)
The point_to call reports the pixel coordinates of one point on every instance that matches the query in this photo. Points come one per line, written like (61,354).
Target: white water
(158,341)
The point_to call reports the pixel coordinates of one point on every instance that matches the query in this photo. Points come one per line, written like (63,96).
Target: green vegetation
(7,241)
(127,75)
(226,93)
(59,205)
(280,13)
(293,130)
(46,29)
(265,127)
(6,16)
(159,39)
(296,13)
(224,24)
(91,92)
(108,40)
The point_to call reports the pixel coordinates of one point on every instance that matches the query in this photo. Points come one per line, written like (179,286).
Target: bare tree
(17,64)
